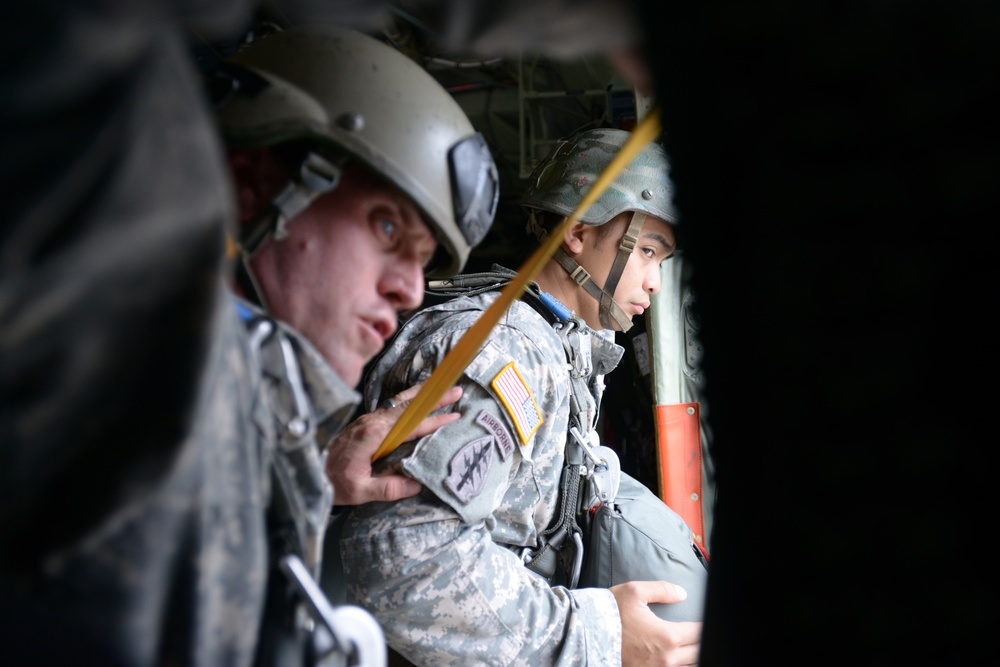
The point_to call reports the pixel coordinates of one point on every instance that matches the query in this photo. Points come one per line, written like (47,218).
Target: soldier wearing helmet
(452,575)
(356,175)
(641,192)
(316,115)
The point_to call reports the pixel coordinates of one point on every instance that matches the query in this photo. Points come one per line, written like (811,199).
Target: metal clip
(574,575)
(606,471)
(586,446)
(607,478)
(355,632)
(298,424)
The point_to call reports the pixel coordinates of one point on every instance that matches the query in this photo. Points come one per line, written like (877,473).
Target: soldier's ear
(246,168)
(573,237)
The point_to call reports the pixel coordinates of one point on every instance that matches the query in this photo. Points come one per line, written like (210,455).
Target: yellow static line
(445,375)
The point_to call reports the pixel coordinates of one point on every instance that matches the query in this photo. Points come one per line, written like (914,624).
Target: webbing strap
(560,545)
(625,249)
(247,282)
(317,176)
(582,278)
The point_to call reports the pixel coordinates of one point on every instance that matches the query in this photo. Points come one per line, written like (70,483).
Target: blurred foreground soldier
(165,495)
(444,572)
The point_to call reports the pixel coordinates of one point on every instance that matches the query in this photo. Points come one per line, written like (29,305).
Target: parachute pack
(611,528)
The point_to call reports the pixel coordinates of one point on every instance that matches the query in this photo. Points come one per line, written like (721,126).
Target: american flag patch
(520,403)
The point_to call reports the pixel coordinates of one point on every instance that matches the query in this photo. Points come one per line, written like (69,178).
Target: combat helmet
(357,98)
(562,179)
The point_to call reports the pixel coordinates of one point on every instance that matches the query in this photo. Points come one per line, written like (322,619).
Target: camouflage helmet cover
(560,182)
(357,95)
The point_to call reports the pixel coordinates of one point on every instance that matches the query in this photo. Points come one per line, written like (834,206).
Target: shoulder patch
(515,395)
(467,469)
(491,423)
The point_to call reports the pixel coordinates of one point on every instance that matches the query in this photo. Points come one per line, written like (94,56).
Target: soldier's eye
(388,229)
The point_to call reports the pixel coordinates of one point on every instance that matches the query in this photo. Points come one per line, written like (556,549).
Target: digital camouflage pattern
(134,467)
(178,574)
(301,404)
(137,428)
(304,405)
(131,481)
(560,182)
(442,571)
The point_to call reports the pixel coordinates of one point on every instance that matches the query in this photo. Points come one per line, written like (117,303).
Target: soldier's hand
(349,461)
(647,639)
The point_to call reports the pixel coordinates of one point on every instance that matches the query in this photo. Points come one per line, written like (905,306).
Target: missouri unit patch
(517,398)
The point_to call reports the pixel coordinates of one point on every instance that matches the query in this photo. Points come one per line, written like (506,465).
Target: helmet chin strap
(317,176)
(609,308)
(248,283)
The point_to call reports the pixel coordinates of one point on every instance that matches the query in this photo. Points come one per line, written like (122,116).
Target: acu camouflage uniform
(178,573)
(442,572)
(300,406)
(133,483)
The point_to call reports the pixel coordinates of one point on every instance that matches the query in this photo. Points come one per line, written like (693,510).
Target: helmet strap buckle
(317,176)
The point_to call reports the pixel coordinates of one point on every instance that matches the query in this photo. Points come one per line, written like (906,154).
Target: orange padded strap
(678,438)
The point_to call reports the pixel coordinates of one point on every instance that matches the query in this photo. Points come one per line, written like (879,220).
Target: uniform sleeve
(130,501)
(116,198)
(441,571)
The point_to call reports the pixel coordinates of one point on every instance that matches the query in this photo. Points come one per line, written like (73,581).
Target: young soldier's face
(641,277)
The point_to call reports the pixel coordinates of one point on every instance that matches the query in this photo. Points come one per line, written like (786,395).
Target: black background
(837,172)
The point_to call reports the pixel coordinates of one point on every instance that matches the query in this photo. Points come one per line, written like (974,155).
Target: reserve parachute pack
(611,528)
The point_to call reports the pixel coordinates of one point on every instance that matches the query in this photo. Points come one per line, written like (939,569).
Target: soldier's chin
(350,367)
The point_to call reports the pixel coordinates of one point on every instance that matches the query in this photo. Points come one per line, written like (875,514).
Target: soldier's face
(350,262)
(641,277)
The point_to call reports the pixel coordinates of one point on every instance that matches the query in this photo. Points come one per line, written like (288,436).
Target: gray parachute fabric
(637,537)
(612,528)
